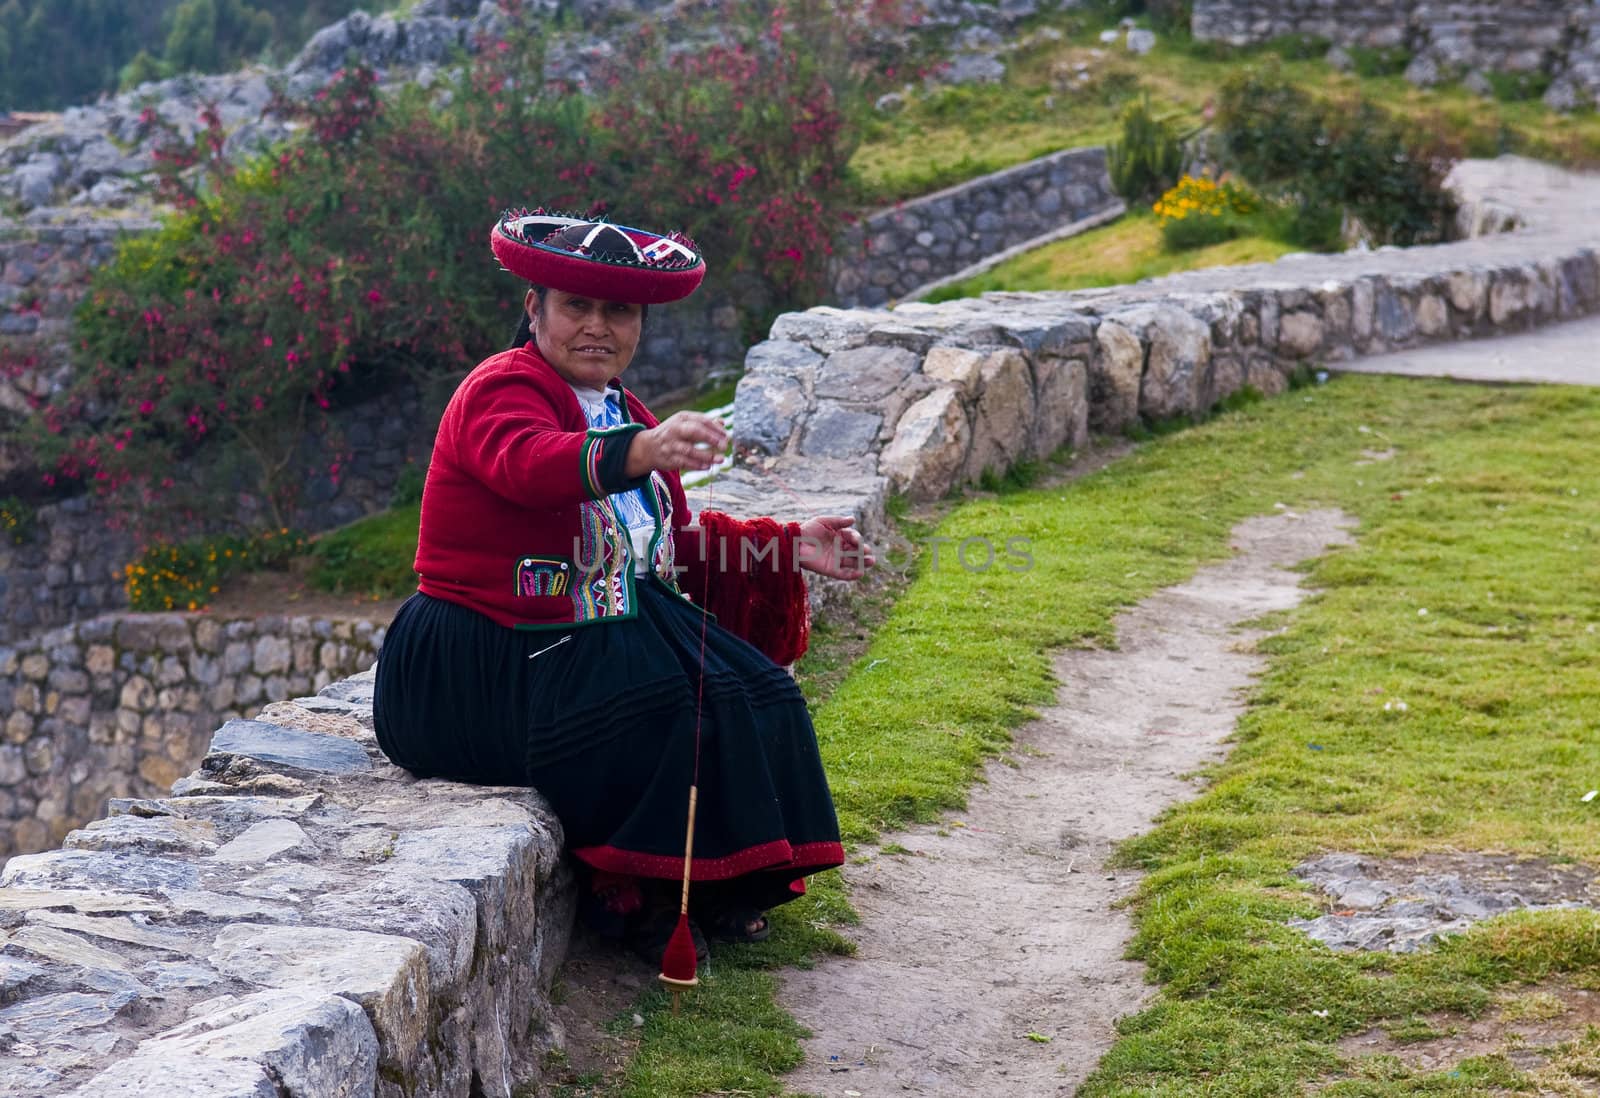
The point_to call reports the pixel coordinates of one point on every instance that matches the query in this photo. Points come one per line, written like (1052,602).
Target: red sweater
(516,523)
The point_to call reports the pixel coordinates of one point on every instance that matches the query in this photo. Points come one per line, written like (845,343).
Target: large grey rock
(783,357)
(190,1076)
(273,743)
(929,446)
(766,411)
(92,967)
(152,835)
(1061,417)
(971,68)
(864,374)
(441,914)
(824,329)
(386,974)
(95,871)
(1180,352)
(115,928)
(1114,377)
(1300,334)
(34,183)
(839,432)
(311,1043)
(1003,415)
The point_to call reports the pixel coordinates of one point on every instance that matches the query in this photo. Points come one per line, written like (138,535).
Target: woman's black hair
(525,324)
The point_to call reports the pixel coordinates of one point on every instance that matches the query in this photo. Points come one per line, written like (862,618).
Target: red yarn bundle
(747,576)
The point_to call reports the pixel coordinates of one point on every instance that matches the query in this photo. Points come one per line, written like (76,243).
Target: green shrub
(370,557)
(1298,47)
(1371,62)
(1319,160)
(185,576)
(17,519)
(408,485)
(1514,87)
(1148,158)
(1171,17)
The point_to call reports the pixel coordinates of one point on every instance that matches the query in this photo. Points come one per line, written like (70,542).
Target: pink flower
(375,297)
(266,341)
(146,407)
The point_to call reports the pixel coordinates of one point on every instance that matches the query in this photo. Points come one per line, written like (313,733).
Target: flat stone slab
(273,743)
(312,1043)
(263,841)
(190,1076)
(1401,907)
(1561,354)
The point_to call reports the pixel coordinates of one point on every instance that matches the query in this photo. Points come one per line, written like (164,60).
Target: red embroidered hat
(597,259)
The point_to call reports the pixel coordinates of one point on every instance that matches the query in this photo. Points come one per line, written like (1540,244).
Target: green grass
(949,135)
(372,556)
(1125,251)
(1487,516)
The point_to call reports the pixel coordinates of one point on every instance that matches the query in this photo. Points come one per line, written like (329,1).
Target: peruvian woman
(577,630)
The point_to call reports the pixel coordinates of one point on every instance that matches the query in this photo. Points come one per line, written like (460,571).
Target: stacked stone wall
(1559,38)
(930,398)
(892,254)
(44,270)
(71,565)
(123,705)
(299,917)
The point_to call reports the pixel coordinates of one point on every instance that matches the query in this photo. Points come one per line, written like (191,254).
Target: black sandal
(733,924)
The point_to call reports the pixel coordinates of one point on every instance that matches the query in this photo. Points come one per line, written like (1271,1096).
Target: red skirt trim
(776,855)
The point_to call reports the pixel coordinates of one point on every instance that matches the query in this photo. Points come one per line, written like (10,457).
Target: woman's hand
(687,440)
(830,547)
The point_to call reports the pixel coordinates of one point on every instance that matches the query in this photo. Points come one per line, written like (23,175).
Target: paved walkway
(1563,354)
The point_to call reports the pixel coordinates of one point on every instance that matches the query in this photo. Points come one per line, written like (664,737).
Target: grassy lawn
(952,134)
(1487,516)
(1127,250)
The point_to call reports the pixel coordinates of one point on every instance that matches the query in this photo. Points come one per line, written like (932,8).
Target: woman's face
(587,341)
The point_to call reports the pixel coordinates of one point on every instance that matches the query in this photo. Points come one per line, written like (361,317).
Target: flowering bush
(746,141)
(357,254)
(184,577)
(1200,212)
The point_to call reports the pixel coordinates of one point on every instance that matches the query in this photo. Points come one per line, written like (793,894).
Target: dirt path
(990,958)
(1561,354)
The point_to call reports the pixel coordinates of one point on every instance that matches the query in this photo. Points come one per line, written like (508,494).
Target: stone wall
(1559,38)
(298,918)
(891,254)
(122,705)
(71,566)
(924,399)
(43,272)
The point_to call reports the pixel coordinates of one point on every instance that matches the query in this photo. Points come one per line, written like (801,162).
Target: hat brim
(517,242)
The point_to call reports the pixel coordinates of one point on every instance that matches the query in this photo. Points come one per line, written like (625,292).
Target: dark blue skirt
(601,719)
